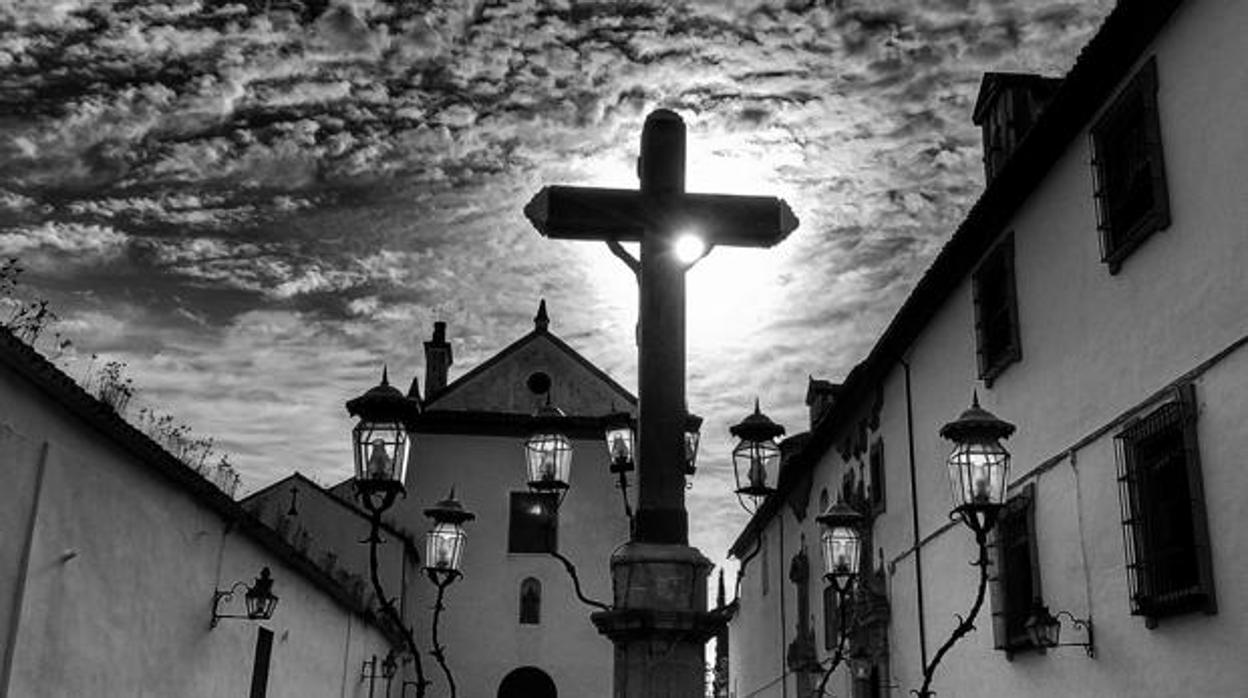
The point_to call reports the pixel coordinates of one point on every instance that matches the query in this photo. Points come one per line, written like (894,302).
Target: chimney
(820,395)
(438,361)
(1007,107)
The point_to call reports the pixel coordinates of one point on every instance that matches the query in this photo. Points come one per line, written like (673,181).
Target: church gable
(504,383)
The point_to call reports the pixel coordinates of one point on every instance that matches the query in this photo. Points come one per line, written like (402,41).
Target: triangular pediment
(501,385)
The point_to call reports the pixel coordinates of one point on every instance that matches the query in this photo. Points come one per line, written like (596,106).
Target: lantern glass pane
(691,450)
(444,545)
(381,450)
(978,471)
(260,606)
(841,551)
(753,460)
(1051,633)
(549,460)
(620,445)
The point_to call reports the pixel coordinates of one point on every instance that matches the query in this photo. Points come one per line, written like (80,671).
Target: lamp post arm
(837,658)
(576,581)
(965,625)
(438,651)
(839,655)
(387,606)
(628,508)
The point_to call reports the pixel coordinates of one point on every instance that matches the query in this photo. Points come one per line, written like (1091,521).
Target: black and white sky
(255,204)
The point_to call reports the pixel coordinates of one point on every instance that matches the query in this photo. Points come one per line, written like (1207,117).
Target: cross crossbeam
(624,215)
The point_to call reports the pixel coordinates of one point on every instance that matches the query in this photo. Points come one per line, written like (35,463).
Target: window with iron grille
(1017,583)
(1166,535)
(996,311)
(534,523)
(1130,178)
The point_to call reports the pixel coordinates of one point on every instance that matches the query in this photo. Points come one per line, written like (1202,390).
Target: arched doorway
(527,682)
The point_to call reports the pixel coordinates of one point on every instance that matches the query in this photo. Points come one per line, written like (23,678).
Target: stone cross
(655,215)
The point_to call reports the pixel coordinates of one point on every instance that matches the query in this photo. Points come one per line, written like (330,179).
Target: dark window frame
(831,618)
(524,530)
(875,469)
(764,568)
(531,601)
(1164,522)
(994,291)
(261,664)
(1117,183)
(1016,572)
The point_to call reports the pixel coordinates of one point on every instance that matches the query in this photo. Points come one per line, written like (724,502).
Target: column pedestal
(659,623)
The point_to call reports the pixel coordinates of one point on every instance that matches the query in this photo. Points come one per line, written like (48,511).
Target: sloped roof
(334,494)
(1104,63)
(63,390)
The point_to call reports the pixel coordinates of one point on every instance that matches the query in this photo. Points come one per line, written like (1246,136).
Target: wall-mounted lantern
(1045,629)
(258,600)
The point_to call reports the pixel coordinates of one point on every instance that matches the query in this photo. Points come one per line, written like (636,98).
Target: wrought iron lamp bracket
(227,595)
(1079,624)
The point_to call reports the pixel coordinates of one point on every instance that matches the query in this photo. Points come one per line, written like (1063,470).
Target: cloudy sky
(255,203)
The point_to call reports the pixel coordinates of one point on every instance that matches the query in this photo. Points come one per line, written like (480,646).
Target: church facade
(512,625)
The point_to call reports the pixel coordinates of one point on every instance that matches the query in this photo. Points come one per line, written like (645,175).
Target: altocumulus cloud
(255,203)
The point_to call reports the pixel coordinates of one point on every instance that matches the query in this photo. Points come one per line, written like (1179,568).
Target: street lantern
(548,452)
(979,470)
(444,543)
(756,453)
(841,539)
(259,599)
(1042,627)
(621,443)
(380,439)
(693,435)
(979,465)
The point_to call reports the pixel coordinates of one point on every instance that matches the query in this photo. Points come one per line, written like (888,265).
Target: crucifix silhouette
(655,216)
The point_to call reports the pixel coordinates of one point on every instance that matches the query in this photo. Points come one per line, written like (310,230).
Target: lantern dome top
(840,514)
(383,401)
(450,511)
(976,422)
(756,427)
